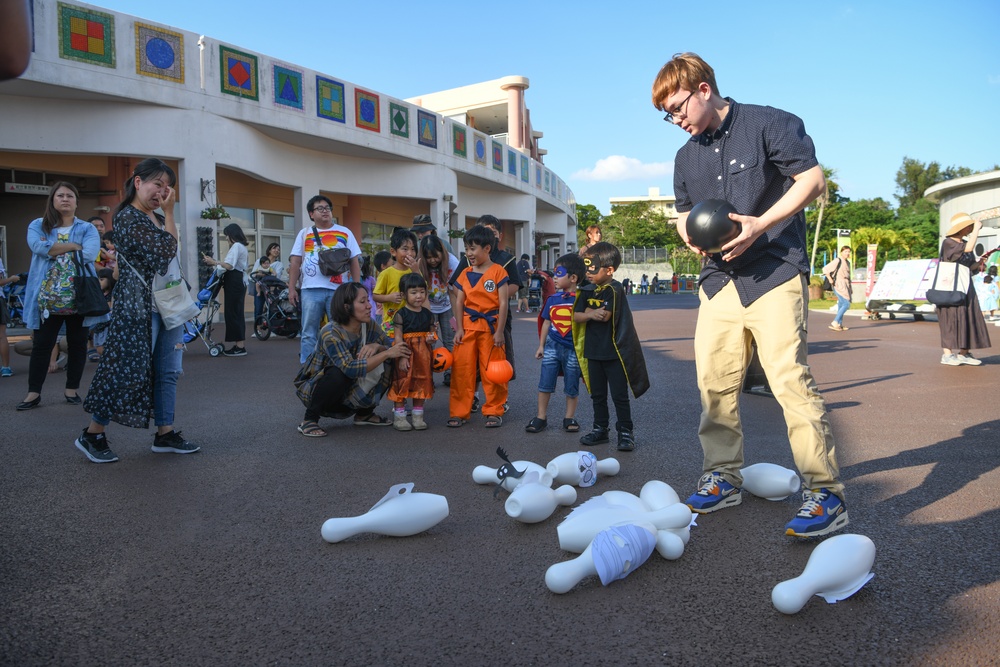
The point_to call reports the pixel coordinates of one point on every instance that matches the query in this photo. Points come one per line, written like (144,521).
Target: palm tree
(822,199)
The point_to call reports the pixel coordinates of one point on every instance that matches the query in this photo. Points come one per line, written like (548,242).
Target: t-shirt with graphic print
(558,310)
(307,248)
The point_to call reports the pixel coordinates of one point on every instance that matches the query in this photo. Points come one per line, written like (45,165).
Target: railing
(645,255)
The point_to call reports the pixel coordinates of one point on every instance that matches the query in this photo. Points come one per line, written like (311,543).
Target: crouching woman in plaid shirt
(347,373)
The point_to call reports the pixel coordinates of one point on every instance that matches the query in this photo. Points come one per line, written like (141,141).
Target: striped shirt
(749,161)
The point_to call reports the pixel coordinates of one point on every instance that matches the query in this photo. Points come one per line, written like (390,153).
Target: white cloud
(621,168)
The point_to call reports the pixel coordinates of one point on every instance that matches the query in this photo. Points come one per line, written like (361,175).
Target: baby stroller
(535,292)
(201,325)
(13,294)
(279,315)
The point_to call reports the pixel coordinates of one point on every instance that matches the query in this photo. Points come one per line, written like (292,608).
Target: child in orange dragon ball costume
(481,311)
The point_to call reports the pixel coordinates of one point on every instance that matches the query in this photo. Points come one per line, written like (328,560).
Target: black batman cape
(624,337)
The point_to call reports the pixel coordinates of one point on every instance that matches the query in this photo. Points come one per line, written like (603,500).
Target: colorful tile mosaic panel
(538,176)
(546,188)
(479,148)
(427,134)
(86,35)
(238,73)
(159,53)
(512,161)
(288,86)
(399,120)
(330,99)
(367,114)
(524,168)
(459,140)
(497,155)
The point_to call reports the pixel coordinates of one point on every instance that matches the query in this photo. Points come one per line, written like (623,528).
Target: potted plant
(544,246)
(815,288)
(217,212)
(456,233)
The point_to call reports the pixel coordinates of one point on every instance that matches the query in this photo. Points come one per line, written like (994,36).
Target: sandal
(311,430)
(494,421)
(92,355)
(455,422)
(536,425)
(571,425)
(372,420)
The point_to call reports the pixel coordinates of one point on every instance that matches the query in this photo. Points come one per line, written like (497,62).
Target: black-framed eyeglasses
(679,110)
(321,209)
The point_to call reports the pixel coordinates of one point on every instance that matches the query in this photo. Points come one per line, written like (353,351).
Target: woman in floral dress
(137,375)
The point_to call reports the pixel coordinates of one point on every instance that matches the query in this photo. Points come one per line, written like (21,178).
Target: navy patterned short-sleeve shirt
(749,161)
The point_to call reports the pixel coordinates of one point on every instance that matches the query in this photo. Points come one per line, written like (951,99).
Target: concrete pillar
(516,135)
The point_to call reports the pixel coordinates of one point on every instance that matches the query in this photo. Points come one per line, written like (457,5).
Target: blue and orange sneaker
(821,513)
(714,493)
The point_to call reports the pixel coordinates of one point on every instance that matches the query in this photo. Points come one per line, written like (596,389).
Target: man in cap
(423,225)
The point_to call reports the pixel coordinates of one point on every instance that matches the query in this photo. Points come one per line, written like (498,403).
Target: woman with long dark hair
(49,297)
(138,372)
(277,269)
(234,281)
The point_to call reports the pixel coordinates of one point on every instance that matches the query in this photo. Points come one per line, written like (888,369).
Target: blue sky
(873,81)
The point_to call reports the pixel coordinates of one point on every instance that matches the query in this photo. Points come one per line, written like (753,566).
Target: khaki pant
(777,322)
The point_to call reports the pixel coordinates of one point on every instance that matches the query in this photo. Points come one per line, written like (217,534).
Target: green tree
(914,177)
(639,225)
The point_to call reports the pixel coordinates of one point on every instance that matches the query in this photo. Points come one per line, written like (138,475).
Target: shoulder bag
(173,302)
(950,286)
(333,261)
(826,279)
(88,298)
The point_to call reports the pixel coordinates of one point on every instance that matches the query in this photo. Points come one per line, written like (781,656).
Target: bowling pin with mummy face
(613,554)
(580,468)
(770,481)
(532,501)
(837,569)
(582,525)
(399,514)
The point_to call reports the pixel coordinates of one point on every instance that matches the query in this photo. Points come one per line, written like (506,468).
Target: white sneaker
(418,422)
(950,360)
(968,360)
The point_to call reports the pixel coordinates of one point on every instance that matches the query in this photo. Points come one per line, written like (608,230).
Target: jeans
(168,352)
(315,303)
(445,332)
(842,305)
(556,357)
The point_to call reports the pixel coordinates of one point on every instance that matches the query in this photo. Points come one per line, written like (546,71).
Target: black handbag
(334,261)
(950,290)
(826,279)
(88,298)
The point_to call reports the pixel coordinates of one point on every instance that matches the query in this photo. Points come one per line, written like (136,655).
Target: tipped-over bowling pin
(767,480)
(613,554)
(580,468)
(399,514)
(531,501)
(580,528)
(658,494)
(837,569)
(488,475)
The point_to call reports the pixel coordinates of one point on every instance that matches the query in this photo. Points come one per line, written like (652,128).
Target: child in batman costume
(608,347)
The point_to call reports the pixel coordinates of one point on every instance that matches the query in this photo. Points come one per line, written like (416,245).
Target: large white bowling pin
(658,494)
(613,554)
(624,499)
(580,528)
(767,480)
(580,468)
(837,569)
(488,475)
(531,501)
(399,514)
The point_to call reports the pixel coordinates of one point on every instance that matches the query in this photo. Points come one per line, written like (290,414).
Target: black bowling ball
(709,226)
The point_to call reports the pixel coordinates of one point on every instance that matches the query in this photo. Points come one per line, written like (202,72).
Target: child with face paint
(555,345)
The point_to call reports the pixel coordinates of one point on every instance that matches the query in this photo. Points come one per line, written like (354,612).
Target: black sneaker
(599,436)
(626,441)
(235,352)
(173,443)
(475,404)
(95,447)
(447,378)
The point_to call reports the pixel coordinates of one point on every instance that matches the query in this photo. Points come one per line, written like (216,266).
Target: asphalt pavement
(216,558)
